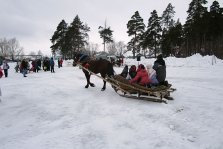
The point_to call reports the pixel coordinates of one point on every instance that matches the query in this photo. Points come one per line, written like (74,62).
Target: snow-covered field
(54,110)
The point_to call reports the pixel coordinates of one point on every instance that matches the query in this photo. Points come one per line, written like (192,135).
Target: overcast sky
(33,22)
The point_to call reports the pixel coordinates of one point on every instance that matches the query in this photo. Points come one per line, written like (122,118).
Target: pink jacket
(141,78)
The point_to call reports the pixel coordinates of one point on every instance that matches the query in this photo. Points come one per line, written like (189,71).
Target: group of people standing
(60,62)
(24,66)
(147,76)
(48,64)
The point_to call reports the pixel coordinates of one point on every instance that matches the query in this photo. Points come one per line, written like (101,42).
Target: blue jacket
(51,62)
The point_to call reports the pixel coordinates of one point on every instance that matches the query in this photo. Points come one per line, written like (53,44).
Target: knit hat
(150,69)
(141,66)
(160,56)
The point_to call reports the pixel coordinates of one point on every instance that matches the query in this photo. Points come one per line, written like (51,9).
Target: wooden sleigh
(125,89)
(156,94)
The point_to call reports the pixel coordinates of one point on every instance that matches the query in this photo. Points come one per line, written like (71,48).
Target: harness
(86,65)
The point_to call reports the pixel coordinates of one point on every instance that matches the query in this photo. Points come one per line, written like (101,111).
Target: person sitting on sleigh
(129,73)
(142,77)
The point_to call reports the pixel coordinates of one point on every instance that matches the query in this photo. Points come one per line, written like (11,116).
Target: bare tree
(14,48)
(3,47)
(10,48)
(92,48)
(121,47)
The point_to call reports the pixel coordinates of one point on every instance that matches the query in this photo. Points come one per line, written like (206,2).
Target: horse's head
(76,58)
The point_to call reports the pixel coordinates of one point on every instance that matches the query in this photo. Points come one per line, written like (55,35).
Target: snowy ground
(55,111)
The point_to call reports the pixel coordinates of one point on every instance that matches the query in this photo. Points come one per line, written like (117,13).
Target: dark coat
(160,68)
(51,62)
(125,72)
(24,65)
(132,71)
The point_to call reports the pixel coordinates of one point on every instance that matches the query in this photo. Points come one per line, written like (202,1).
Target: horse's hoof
(92,85)
(102,89)
(86,86)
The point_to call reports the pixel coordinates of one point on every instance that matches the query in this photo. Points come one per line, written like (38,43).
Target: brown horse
(102,66)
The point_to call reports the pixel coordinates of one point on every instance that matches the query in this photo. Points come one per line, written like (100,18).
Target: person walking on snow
(5,68)
(24,67)
(52,65)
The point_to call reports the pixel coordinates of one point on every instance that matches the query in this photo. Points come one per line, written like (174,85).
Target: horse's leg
(87,75)
(91,84)
(104,86)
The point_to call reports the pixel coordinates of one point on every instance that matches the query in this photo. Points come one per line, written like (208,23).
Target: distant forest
(202,33)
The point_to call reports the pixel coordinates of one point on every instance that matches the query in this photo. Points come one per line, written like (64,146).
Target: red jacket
(1,73)
(141,77)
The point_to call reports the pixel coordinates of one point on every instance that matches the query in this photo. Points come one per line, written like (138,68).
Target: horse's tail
(110,70)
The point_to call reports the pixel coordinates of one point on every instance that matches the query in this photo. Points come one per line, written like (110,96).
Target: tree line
(10,48)
(201,33)
(73,38)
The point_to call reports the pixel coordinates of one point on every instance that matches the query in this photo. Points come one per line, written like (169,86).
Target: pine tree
(167,17)
(152,36)
(215,30)
(215,19)
(105,34)
(196,10)
(58,38)
(172,40)
(76,37)
(135,28)
(195,28)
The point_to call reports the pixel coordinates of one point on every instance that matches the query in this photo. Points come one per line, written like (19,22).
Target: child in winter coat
(152,75)
(132,72)
(125,71)
(142,77)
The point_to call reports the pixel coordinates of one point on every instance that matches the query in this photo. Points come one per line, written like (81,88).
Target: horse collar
(86,65)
